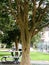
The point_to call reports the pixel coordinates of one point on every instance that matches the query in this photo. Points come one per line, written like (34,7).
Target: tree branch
(41,15)
(33,15)
(18,6)
(18,17)
(41,1)
(38,21)
(13,13)
(34,11)
(12,10)
(40,28)
(26,9)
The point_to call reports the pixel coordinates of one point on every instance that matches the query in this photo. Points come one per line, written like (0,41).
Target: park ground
(34,55)
(37,58)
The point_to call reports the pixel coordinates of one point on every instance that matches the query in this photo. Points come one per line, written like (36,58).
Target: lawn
(39,56)
(33,55)
(5,54)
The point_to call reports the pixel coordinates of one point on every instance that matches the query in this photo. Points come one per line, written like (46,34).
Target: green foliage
(36,38)
(1,37)
(8,26)
(5,11)
(7,19)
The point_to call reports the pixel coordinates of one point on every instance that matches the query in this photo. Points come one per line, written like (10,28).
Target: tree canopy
(36,12)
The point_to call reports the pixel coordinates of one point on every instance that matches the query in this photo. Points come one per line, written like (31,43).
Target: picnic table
(15,57)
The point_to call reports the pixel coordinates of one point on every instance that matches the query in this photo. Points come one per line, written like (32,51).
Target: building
(44,42)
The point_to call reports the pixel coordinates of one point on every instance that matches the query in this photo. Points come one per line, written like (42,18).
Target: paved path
(40,62)
(32,63)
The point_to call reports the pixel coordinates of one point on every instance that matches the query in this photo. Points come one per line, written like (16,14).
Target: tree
(31,16)
(35,40)
(11,36)
(10,31)
(8,27)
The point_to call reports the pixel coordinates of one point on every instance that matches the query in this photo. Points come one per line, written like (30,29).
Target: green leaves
(36,38)
(31,12)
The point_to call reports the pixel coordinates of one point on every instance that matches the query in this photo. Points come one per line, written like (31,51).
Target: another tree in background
(9,28)
(35,40)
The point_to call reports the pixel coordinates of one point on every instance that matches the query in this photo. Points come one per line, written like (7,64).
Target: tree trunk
(25,38)
(16,45)
(25,54)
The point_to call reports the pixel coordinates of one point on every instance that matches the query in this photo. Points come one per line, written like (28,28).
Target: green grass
(33,55)
(5,54)
(39,56)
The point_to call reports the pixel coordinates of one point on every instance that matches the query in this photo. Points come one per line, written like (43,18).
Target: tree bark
(25,54)
(16,45)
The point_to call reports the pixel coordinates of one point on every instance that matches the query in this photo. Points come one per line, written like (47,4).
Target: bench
(14,57)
